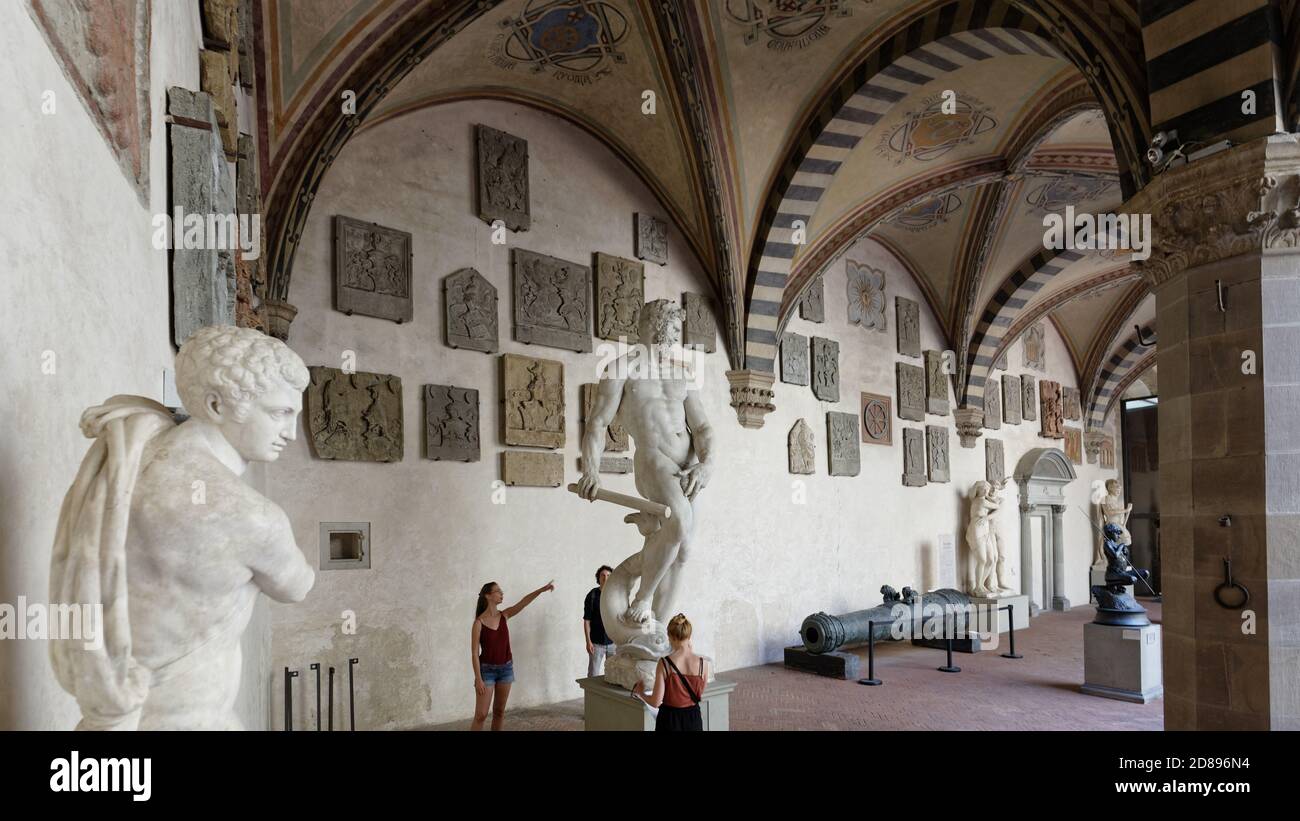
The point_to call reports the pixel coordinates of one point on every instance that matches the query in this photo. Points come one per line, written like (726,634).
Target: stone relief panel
(812,305)
(1035,346)
(1049,394)
(451,423)
(521,468)
(1001,364)
(611,464)
(354,417)
(552,302)
(533,401)
(1073,407)
(1074,445)
(616,436)
(911,391)
(995,462)
(1012,396)
(936,384)
(620,293)
(469,305)
(866,295)
(842,443)
(794,359)
(877,419)
(992,405)
(1029,399)
(1107,453)
(913,458)
(801,449)
(503,178)
(372,270)
(909,326)
(699,328)
(651,239)
(936,443)
(826,369)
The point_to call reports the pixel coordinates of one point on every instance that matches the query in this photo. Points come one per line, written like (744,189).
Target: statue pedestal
(607,707)
(1122,662)
(1019,608)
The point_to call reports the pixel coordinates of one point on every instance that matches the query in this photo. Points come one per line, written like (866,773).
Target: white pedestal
(1020,609)
(606,707)
(1122,662)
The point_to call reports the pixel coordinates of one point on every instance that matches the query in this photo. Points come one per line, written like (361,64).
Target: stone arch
(1105,390)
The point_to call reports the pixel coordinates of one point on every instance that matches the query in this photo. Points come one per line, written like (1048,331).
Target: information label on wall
(947,560)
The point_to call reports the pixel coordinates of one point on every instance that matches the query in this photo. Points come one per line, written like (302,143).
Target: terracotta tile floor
(1038,692)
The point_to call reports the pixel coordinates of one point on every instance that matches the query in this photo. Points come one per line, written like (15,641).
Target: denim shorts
(497,673)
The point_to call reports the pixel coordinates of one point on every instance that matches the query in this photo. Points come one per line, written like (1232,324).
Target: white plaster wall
(83,281)
(761,562)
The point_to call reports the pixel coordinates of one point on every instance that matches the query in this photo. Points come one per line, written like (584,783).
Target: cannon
(824,633)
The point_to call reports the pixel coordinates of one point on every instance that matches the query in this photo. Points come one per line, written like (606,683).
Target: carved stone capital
(970,422)
(751,396)
(1239,201)
(1092,441)
(279,316)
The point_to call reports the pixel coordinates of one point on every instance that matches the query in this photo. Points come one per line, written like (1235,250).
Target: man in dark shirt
(599,645)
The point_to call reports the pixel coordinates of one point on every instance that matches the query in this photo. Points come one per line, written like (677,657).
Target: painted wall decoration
(785,24)
(575,40)
(503,178)
(1107,456)
(372,270)
(620,293)
(877,419)
(927,213)
(1056,192)
(451,423)
(927,133)
(469,305)
(866,295)
(1035,347)
(533,401)
(354,416)
(552,301)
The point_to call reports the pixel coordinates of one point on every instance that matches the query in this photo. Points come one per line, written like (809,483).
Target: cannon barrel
(823,633)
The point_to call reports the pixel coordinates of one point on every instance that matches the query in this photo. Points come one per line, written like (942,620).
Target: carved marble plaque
(913,458)
(995,462)
(1029,400)
(812,306)
(801,448)
(909,326)
(530,469)
(469,305)
(842,443)
(533,401)
(1074,445)
(826,369)
(1035,346)
(651,239)
(992,405)
(699,328)
(1012,396)
(372,270)
(911,392)
(612,464)
(794,358)
(616,438)
(1049,394)
(1070,400)
(620,293)
(1107,456)
(451,423)
(552,301)
(936,445)
(877,419)
(936,384)
(503,178)
(354,416)
(1001,364)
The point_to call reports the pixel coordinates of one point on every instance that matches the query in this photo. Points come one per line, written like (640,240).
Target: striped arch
(991,332)
(1119,366)
(1090,285)
(928,48)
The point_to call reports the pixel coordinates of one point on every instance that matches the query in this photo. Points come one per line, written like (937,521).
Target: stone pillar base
(1122,662)
(608,707)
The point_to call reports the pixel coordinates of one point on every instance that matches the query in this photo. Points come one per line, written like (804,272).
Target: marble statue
(1111,510)
(987,547)
(150,497)
(674,458)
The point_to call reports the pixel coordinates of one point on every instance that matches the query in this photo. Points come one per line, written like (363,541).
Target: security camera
(1156,154)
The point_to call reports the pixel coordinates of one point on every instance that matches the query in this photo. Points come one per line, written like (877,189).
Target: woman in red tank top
(489,646)
(680,678)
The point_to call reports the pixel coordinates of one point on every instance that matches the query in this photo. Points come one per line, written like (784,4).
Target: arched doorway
(1042,475)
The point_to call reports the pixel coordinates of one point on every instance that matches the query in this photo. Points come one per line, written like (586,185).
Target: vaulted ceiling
(782,131)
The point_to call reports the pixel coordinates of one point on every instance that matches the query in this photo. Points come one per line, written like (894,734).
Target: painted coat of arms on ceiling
(1054,193)
(927,213)
(576,40)
(929,132)
(787,24)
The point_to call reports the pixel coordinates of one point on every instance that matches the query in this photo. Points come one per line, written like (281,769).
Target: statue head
(246,384)
(1112,487)
(1114,533)
(661,323)
(981,489)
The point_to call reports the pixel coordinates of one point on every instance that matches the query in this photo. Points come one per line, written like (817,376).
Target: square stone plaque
(502,178)
(913,457)
(523,468)
(616,438)
(552,301)
(699,328)
(842,443)
(1012,396)
(533,401)
(936,384)
(908,323)
(826,369)
(354,417)
(1029,402)
(651,239)
(451,423)
(911,391)
(372,270)
(620,294)
(936,444)
(794,358)
(469,305)
(877,419)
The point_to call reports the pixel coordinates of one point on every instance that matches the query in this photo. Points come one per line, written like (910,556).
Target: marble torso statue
(1112,511)
(985,542)
(161,530)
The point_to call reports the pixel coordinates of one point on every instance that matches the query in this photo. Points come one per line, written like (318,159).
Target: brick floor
(1038,692)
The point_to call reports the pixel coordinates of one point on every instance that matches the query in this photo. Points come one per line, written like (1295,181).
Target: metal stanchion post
(871,680)
(289,676)
(1011,633)
(316,666)
(352,697)
(949,668)
(331,727)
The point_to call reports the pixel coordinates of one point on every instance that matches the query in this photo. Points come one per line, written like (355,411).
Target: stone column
(1059,601)
(1027,568)
(1226,273)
